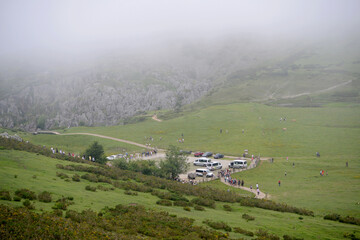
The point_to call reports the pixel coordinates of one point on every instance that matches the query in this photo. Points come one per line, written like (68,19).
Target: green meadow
(334,131)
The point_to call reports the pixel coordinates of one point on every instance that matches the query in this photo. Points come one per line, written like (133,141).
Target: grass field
(27,165)
(332,131)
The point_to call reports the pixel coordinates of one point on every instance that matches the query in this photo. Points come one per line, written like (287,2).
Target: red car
(198,154)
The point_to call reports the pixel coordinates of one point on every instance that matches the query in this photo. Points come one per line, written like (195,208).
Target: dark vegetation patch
(25,194)
(339,218)
(218,225)
(243,231)
(248,217)
(5,195)
(264,234)
(63,203)
(44,197)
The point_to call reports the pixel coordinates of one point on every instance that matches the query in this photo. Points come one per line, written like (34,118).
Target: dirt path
(111,138)
(260,195)
(156,119)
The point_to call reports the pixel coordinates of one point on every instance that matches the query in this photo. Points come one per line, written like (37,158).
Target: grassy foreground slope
(27,165)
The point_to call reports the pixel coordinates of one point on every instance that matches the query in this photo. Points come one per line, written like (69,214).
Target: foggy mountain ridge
(107,91)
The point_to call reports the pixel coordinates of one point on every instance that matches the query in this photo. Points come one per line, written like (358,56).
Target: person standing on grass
(257,186)
(258,192)
(279,183)
(285,173)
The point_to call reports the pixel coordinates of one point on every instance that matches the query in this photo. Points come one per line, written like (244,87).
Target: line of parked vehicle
(205,161)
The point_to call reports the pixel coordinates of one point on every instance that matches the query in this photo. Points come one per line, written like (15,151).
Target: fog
(51,28)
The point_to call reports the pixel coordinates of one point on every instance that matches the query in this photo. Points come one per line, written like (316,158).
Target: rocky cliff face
(110,89)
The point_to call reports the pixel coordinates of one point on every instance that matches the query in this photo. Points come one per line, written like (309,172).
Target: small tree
(175,163)
(96,151)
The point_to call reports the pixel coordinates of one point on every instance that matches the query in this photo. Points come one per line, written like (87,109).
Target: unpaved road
(191,159)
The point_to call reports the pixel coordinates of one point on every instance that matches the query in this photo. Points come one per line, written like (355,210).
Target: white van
(238,164)
(204,172)
(214,166)
(202,161)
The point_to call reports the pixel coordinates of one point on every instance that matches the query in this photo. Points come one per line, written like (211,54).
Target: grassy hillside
(38,174)
(332,131)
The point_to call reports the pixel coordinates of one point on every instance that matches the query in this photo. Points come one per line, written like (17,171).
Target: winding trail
(156,119)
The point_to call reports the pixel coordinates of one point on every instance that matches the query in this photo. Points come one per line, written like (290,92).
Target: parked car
(214,166)
(204,172)
(198,154)
(191,175)
(218,155)
(185,152)
(207,154)
(202,161)
(238,164)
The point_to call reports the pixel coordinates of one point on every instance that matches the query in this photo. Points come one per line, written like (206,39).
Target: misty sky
(47,25)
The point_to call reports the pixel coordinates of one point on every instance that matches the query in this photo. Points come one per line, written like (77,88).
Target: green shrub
(199,208)
(128,192)
(62,203)
(61,175)
(15,176)
(183,203)
(218,225)
(263,234)
(204,202)
(28,204)
(26,194)
(44,197)
(268,204)
(103,188)
(90,188)
(164,202)
(287,237)
(5,195)
(76,178)
(17,198)
(227,208)
(248,217)
(187,209)
(90,177)
(243,231)
(339,218)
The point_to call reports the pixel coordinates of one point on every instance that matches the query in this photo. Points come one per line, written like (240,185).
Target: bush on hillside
(25,194)
(243,231)
(164,202)
(28,204)
(62,175)
(5,195)
(264,234)
(339,218)
(248,217)
(204,202)
(268,204)
(90,188)
(227,207)
(217,225)
(44,197)
(287,237)
(199,208)
(76,178)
